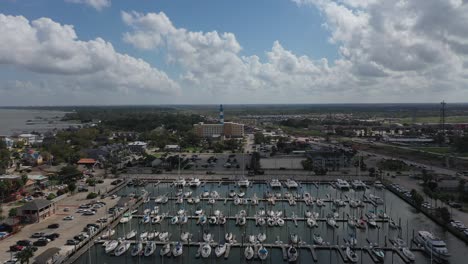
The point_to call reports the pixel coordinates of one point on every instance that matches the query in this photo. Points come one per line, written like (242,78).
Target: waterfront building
(36,210)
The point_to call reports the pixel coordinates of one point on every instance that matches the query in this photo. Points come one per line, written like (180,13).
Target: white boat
(137,249)
(293,254)
(126,218)
(150,248)
(243,183)
(331,222)
(212,220)
(433,246)
(174,220)
(122,248)
(280,222)
(108,233)
(261,237)
(352,256)
(111,246)
(183,220)
(228,237)
(207,237)
(222,220)
(196,200)
(342,184)
(378,253)
(262,253)
(290,184)
(241,194)
(249,253)
(157,219)
(155,210)
(260,221)
(392,224)
(185,236)
(408,254)
(195,182)
(372,222)
(241,220)
(179,183)
(294,238)
(311,222)
(274,183)
(188,194)
(358,185)
(163,236)
(146,219)
(205,194)
(202,220)
(131,234)
(352,223)
(320,202)
(152,235)
(206,250)
(318,240)
(220,249)
(144,235)
(252,239)
(198,211)
(165,249)
(232,193)
(177,250)
(237,201)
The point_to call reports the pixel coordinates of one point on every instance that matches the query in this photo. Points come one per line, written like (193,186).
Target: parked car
(24,243)
(37,235)
(69,217)
(40,243)
(53,226)
(72,242)
(16,248)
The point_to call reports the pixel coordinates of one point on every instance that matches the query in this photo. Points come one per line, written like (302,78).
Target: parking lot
(67,228)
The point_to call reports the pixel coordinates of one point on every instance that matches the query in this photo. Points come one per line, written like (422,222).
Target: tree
(13,212)
(72,187)
(24,255)
(69,174)
(259,138)
(417,198)
(51,196)
(91,195)
(444,214)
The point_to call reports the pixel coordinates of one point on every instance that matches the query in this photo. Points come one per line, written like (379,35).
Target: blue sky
(292,51)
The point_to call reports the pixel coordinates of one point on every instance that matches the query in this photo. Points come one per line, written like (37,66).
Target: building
(36,210)
(50,256)
(138,146)
(32,158)
(172,148)
(226,130)
(39,181)
(30,139)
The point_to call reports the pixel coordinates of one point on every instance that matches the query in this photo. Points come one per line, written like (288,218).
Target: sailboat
(122,248)
(150,248)
(262,253)
(177,250)
(220,249)
(137,249)
(165,249)
(352,256)
(206,250)
(293,254)
(111,246)
(249,253)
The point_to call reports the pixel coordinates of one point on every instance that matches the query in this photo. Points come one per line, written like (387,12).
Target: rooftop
(36,204)
(86,161)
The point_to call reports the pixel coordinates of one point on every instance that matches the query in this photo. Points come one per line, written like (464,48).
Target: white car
(69,217)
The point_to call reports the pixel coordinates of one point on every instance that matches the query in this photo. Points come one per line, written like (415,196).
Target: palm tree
(24,255)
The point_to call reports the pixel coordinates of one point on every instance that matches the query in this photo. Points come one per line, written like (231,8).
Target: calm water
(14,121)
(395,207)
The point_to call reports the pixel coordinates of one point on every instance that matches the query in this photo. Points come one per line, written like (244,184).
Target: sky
(113,52)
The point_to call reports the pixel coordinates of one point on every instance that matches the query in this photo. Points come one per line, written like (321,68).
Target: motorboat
(352,256)
(342,184)
(220,249)
(179,200)
(198,211)
(408,254)
(398,242)
(241,194)
(183,220)
(378,253)
(211,201)
(243,183)
(294,238)
(130,234)
(213,220)
(358,185)
(178,249)
(155,210)
(152,235)
(260,221)
(111,246)
(433,246)
(262,253)
(318,240)
(332,222)
(339,203)
(320,202)
(274,183)
(149,248)
(108,233)
(222,220)
(165,249)
(378,185)
(237,201)
(361,223)
(137,249)
(354,203)
(293,254)
(261,237)
(352,240)
(174,220)
(195,182)
(271,221)
(202,219)
(372,222)
(126,218)
(179,192)
(144,235)
(146,219)
(291,184)
(214,194)
(157,219)
(207,237)
(254,199)
(179,183)
(196,199)
(205,194)
(228,237)
(383,215)
(241,220)
(280,222)
(185,237)
(187,194)
(206,250)
(122,248)
(232,193)
(311,222)
(249,252)
(146,211)
(252,239)
(163,236)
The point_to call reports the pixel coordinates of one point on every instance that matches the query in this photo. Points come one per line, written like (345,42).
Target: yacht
(358,185)
(111,246)
(290,184)
(274,183)
(122,248)
(293,254)
(195,182)
(243,183)
(180,182)
(432,246)
(342,184)
(249,253)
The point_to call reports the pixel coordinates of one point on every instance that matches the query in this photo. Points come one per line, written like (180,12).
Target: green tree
(444,214)
(13,212)
(72,187)
(259,138)
(69,174)
(91,195)
(51,196)
(25,255)
(417,198)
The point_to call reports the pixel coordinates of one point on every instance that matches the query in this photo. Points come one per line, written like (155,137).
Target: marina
(179,222)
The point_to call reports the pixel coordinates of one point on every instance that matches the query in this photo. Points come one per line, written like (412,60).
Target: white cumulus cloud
(96,4)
